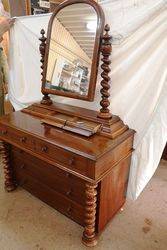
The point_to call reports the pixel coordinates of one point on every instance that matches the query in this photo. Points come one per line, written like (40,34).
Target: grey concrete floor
(26,223)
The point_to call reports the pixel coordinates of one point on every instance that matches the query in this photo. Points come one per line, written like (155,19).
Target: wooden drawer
(17,137)
(57,179)
(64,157)
(47,150)
(51,197)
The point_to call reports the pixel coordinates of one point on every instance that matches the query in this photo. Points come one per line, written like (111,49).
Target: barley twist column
(9,181)
(106,49)
(89,236)
(42,48)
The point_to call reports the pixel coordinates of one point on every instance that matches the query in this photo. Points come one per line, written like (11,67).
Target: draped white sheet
(139,76)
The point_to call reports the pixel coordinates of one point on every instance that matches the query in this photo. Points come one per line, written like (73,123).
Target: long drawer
(47,150)
(67,184)
(61,203)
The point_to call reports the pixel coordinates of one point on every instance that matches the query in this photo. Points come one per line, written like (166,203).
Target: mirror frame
(96,51)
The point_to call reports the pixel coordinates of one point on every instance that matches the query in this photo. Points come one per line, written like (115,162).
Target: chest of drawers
(83,178)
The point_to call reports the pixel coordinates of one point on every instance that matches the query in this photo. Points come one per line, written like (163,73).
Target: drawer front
(57,179)
(64,205)
(47,150)
(61,156)
(18,137)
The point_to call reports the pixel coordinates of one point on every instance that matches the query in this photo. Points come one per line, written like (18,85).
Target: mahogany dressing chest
(74,159)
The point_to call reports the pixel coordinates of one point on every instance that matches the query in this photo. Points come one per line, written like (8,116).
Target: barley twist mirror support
(106,50)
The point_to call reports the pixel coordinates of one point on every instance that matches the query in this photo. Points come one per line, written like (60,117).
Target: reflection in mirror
(71,49)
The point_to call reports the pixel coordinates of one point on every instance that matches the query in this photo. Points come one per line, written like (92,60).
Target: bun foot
(10,188)
(89,242)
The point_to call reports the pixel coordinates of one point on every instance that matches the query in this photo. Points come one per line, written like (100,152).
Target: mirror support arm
(106,49)
(42,48)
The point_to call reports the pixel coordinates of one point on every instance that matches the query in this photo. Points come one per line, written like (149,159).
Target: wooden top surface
(92,147)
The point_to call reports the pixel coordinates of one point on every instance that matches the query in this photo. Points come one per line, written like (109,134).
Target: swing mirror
(72,50)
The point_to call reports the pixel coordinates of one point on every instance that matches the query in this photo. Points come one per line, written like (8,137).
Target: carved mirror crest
(72,50)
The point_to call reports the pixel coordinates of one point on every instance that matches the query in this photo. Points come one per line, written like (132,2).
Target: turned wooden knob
(22,166)
(23,139)
(69,192)
(71,161)
(69,210)
(4,132)
(44,149)
(67,175)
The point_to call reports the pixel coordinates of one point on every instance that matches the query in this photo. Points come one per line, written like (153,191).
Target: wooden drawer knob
(67,175)
(71,161)
(22,166)
(44,149)
(23,139)
(4,132)
(69,210)
(68,193)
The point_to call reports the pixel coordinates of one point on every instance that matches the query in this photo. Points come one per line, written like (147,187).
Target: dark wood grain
(112,193)
(110,128)
(55,178)
(53,198)
(83,178)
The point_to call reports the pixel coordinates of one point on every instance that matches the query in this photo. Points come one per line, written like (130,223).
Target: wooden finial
(106,49)
(46,99)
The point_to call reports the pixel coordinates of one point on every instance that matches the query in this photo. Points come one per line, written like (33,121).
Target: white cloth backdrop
(139,76)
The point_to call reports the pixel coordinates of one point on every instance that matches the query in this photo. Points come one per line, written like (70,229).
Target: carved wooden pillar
(9,181)
(46,99)
(89,236)
(106,49)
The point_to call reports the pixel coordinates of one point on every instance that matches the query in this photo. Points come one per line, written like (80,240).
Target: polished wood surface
(55,178)
(24,124)
(53,198)
(83,178)
(112,194)
(110,128)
